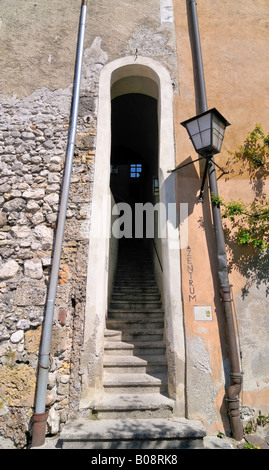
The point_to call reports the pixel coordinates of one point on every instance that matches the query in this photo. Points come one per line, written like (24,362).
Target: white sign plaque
(202,313)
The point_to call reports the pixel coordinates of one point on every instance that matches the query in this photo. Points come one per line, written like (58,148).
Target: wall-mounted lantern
(206,132)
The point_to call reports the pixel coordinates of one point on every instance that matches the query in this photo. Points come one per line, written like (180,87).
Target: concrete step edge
(134,401)
(130,379)
(130,429)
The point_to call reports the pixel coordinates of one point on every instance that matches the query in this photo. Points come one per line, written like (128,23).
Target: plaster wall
(38,49)
(234,41)
(37,69)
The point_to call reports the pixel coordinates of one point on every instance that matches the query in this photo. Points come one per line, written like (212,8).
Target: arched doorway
(134,152)
(122,79)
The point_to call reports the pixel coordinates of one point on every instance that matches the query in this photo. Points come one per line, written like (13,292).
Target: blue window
(135,170)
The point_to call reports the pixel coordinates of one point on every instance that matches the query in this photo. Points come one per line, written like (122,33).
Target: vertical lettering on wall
(191,287)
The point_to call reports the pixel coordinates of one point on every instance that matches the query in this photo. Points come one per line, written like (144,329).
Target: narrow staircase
(135,367)
(135,411)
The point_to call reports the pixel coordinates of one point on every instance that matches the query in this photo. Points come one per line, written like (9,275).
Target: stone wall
(37,66)
(33,142)
(36,85)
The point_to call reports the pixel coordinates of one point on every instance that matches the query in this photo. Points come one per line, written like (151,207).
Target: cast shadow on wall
(251,263)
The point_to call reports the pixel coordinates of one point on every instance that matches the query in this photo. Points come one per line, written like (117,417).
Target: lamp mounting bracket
(208,160)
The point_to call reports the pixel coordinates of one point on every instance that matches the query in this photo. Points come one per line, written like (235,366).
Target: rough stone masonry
(33,136)
(33,140)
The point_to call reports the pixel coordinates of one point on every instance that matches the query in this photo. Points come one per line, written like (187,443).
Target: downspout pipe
(233,391)
(40,414)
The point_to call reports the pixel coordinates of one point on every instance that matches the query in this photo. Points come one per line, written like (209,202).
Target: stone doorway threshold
(175,433)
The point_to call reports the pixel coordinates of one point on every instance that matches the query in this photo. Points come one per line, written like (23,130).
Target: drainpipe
(40,414)
(233,391)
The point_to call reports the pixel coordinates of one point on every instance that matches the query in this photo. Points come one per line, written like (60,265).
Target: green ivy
(250,221)
(255,151)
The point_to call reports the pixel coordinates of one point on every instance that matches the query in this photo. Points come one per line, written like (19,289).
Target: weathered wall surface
(33,140)
(35,110)
(38,50)
(234,40)
(37,67)
(43,54)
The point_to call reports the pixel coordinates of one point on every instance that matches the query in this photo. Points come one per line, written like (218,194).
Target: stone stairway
(134,360)
(135,403)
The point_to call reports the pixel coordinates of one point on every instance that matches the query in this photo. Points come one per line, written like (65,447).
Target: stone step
(124,364)
(132,323)
(132,383)
(135,305)
(132,276)
(131,296)
(118,348)
(135,367)
(138,348)
(136,290)
(156,363)
(125,311)
(135,334)
(148,348)
(159,433)
(135,316)
(147,405)
(131,283)
(142,335)
(113,335)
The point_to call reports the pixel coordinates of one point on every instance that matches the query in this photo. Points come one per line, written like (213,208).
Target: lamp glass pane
(197,141)
(204,122)
(218,125)
(217,140)
(206,138)
(192,127)
(218,133)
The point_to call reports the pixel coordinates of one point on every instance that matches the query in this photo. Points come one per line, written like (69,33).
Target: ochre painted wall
(234,41)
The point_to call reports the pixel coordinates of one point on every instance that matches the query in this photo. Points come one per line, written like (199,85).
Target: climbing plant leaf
(255,150)
(249,222)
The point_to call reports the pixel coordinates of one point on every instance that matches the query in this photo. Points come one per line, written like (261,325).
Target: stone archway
(149,77)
